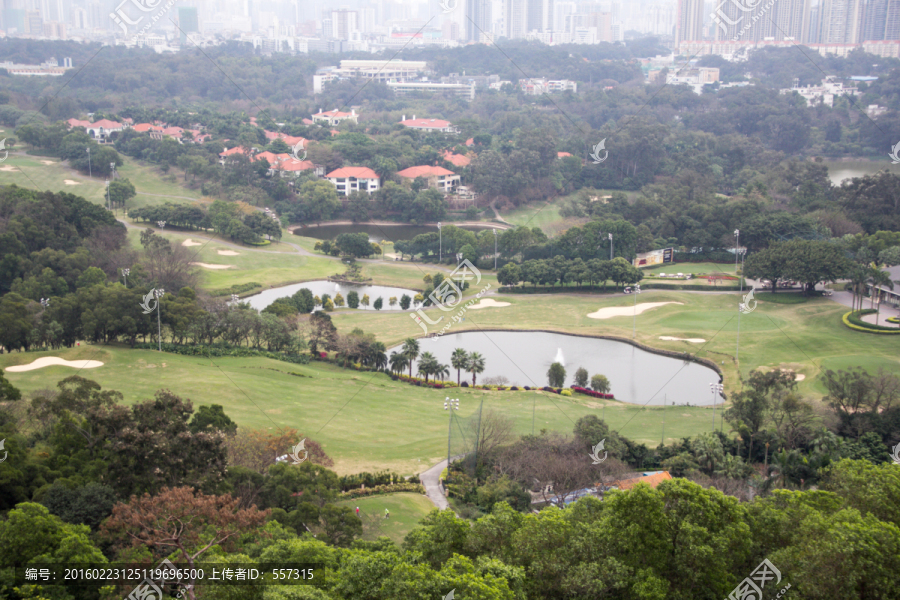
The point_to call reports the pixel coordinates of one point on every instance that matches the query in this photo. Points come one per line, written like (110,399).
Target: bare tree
(885,390)
(495,430)
(168,266)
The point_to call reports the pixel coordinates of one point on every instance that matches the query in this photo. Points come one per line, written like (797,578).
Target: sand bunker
(47,162)
(626,311)
(70,182)
(229,253)
(8,168)
(488,303)
(677,339)
(208,266)
(190,242)
(47,361)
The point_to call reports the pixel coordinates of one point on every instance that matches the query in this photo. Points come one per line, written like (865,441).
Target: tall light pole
(737,350)
(90,171)
(715,388)
(108,203)
(610,247)
(125,274)
(45,302)
(495,248)
(441,243)
(112,170)
(637,290)
(450,405)
(162,224)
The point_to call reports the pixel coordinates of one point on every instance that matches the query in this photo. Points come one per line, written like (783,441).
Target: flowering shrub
(565,392)
(592,393)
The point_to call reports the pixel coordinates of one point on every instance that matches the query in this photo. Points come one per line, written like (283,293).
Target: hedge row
(383,489)
(645,285)
(219,350)
(592,393)
(696,287)
(852,320)
(238,288)
(259,243)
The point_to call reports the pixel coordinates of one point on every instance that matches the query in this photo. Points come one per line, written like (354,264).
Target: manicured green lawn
(691,268)
(365,421)
(50,174)
(406,510)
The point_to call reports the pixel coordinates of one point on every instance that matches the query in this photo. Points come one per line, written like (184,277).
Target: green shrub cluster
(222,350)
(383,489)
(853,321)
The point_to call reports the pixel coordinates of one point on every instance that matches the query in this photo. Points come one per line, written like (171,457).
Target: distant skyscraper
(790,20)
(515,16)
(343,23)
(540,15)
(478,20)
(842,21)
(881,20)
(34,25)
(689,21)
(188,22)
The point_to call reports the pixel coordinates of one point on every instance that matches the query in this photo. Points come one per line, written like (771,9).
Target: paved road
(431,480)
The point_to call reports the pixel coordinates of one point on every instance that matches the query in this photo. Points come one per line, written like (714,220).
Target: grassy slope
(406,509)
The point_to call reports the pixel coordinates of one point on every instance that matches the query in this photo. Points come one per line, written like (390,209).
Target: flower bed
(592,393)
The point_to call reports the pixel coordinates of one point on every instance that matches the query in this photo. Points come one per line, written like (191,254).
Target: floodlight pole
(441,244)
(610,247)
(450,405)
(637,290)
(737,350)
(715,388)
(495,248)
(159,294)
(90,171)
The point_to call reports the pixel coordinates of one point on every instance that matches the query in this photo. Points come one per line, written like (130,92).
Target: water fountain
(559,357)
(337,286)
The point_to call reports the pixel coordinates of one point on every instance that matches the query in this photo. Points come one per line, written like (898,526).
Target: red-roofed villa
(438,178)
(352,179)
(334,117)
(429,125)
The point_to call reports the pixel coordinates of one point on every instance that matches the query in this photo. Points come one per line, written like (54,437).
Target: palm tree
(442,371)
(411,351)
(398,361)
(459,360)
(377,356)
(427,365)
(475,365)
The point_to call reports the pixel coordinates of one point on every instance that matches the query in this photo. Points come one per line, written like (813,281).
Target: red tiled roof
(333,113)
(295,165)
(651,480)
(358,172)
(426,123)
(562,154)
(78,123)
(235,150)
(269,156)
(107,124)
(308,122)
(470,142)
(457,160)
(424,171)
(143,127)
(288,139)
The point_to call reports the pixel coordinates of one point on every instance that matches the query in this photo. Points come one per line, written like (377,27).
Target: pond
(376,233)
(839,170)
(263,299)
(635,375)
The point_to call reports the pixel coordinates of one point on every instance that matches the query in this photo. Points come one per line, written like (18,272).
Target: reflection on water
(635,375)
(263,299)
(840,170)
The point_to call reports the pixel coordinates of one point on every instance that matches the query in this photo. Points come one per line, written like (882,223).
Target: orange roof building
(354,179)
(333,117)
(429,124)
(457,160)
(652,479)
(438,177)
(563,154)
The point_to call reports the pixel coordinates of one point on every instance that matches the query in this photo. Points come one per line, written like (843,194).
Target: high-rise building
(841,21)
(540,15)
(14,19)
(791,20)
(188,22)
(515,15)
(478,20)
(343,23)
(881,20)
(689,21)
(34,24)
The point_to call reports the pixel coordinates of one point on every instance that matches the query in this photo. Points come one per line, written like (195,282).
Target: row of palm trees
(429,366)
